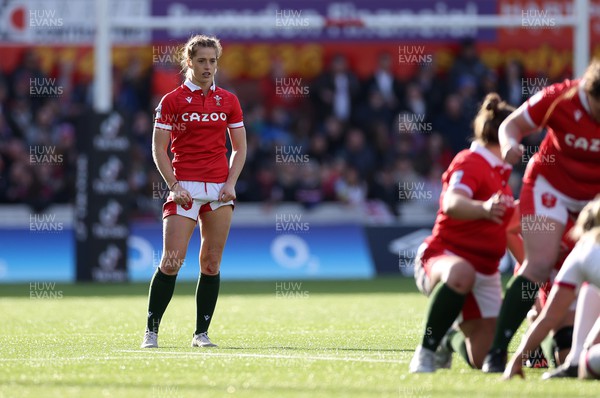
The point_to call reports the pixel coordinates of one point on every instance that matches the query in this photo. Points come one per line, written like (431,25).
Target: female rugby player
(561,178)
(457,266)
(583,264)
(194,118)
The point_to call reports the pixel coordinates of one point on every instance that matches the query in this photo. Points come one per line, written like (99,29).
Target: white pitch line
(268,356)
(189,355)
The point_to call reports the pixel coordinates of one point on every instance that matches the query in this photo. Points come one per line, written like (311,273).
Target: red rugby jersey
(198,126)
(481,174)
(569,155)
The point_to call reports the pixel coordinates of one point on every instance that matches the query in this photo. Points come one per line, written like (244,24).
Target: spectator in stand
(358,153)
(467,65)
(511,86)
(453,124)
(385,83)
(350,189)
(335,91)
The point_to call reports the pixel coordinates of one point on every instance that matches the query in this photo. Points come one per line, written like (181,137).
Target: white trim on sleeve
(163,126)
(528,117)
(235,125)
(464,187)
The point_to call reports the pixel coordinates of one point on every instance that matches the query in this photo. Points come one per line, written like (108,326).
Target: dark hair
(592,79)
(492,113)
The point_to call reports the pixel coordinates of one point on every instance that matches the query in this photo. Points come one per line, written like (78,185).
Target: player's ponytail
(588,221)
(492,113)
(591,79)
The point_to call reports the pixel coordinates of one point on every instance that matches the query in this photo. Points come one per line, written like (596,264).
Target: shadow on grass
(377,285)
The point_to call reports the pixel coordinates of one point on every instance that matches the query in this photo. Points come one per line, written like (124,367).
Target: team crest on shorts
(187,206)
(548,200)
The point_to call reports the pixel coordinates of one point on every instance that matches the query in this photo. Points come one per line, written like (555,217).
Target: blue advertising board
(251,253)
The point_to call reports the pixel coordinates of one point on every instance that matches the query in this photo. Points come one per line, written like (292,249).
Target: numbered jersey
(569,156)
(480,174)
(198,126)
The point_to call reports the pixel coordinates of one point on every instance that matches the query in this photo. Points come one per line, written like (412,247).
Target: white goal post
(579,21)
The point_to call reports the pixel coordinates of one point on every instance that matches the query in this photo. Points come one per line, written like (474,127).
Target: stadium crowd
(373,143)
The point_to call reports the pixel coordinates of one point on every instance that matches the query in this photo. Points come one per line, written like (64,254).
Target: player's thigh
(479,334)
(177,231)
(456,272)
(214,230)
(542,245)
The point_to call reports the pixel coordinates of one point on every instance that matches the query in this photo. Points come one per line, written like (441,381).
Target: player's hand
(495,207)
(181,196)
(513,368)
(512,153)
(227,192)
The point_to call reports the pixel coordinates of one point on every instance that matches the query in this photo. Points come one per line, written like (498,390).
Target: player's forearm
(535,335)
(509,134)
(462,208)
(238,158)
(164,166)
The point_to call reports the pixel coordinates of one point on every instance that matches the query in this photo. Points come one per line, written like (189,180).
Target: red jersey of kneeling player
(198,125)
(569,155)
(481,174)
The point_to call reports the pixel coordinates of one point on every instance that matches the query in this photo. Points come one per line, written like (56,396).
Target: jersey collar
(583,97)
(193,87)
(488,156)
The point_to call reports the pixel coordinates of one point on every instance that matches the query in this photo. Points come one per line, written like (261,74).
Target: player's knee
(171,265)
(537,270)
(461,277)
(210,262)
(562,339)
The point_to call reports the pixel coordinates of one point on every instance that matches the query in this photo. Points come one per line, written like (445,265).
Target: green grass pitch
(328,339)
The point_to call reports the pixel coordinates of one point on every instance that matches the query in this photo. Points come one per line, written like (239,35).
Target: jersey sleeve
(165,116)
(538,105)
(571,273)
(235,118)
(465,174)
